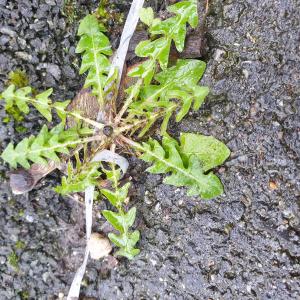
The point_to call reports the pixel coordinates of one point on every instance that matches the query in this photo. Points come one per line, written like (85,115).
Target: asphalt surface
(243,245)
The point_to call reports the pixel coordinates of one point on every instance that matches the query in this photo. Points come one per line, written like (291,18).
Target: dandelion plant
(160,91)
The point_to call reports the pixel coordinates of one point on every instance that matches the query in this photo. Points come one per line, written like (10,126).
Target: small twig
(206,7)
(129,142)
(129,100)
(113,147)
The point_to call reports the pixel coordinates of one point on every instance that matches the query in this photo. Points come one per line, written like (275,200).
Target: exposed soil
(243,245)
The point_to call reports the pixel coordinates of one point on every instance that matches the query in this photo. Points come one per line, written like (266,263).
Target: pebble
(29,218)
(22,43)
(8,31)
(50,2)
(24,56)
(2,260)
(54,70)
(99,246)
(4,40)
(272,185)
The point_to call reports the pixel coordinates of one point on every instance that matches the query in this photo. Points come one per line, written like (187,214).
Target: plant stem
(100,96)
(170,164)
(87,120)
(74,114)
(133,94)
(131,143)
(152,119)
(79,141)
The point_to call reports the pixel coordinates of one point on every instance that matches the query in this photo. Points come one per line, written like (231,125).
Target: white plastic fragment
(112,157)
(128,31)
(75,286)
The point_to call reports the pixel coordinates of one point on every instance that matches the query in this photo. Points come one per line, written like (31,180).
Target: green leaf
(144,70)
(187,10)
(8,95)
(147,15)
(17,97)
(186,169)
(179,82)
(61,109)
(130,254)
(175,28)
(158,49)
(111,196)
(89,25)
(23,96)
(79,178)
(118,240)
(115,219)
(43,104)
(171,29)
(120,220)
(210,151)
(45,145)
(130,217)
(118,197)
(9,155)
(94,47)
(126,243)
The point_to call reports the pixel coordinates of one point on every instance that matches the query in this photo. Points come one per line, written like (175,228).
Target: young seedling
(159,91)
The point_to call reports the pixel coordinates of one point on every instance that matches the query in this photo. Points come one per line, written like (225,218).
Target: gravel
(243,245)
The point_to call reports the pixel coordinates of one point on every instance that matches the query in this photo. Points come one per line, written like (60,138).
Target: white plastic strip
(75,286)
(128,31)
(112,157)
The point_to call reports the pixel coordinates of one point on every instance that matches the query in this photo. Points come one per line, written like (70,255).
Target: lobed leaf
(210,151)
(179,82)
(44,146)
(147,15)
(126,243)
(118,197)
(94,47)
(187,168)
(80,178)
(23,96)
(121,220)
(171,29)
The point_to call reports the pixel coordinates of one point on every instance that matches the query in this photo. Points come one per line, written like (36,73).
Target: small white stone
(60,295)
(218,55)
(99,246)
(29,218)
(246,73)
(157,207)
